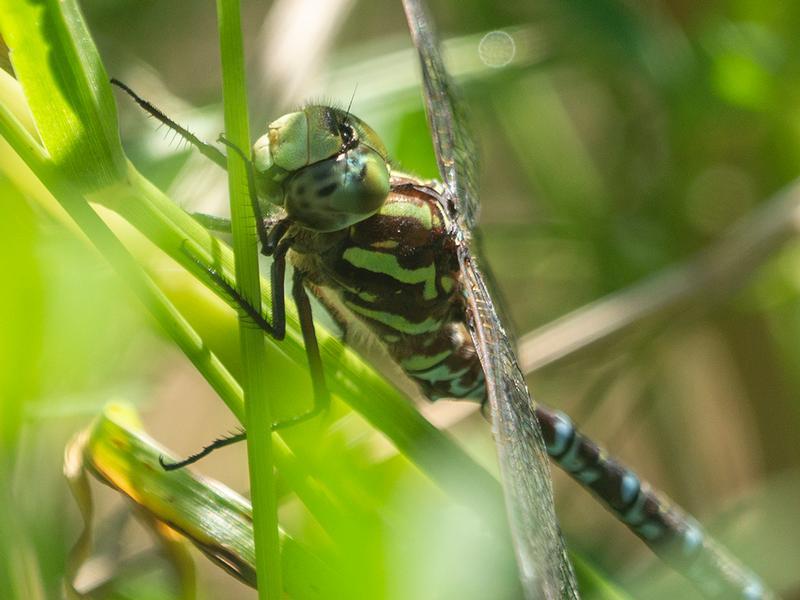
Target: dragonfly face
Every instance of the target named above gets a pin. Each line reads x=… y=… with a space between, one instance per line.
x=327 y=168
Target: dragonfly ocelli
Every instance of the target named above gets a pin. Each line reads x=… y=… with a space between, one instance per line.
x=394 y=254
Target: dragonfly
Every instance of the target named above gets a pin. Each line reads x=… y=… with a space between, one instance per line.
x=397 y=256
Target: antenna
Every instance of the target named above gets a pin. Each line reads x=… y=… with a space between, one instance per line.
x=355 y=89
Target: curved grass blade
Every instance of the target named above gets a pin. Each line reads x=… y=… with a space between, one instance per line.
x=215 y=519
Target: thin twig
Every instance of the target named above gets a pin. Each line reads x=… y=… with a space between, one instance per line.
x=713 y=274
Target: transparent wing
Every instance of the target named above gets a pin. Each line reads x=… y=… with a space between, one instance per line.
x=544 y=568
x=456 y=151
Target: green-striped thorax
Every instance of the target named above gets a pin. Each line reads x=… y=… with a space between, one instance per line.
x=327 y=168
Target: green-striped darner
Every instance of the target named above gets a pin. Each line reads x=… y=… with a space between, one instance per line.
x=452 y=208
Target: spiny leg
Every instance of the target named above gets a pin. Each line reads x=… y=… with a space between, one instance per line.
x=234 y=438
x=274 y=242
x=276 y=329
x=205 y=149
x=269 y=239
x=300 y=296
x=251 y=190
x=276 y=228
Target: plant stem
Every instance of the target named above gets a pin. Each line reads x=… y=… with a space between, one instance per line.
x=258 y=413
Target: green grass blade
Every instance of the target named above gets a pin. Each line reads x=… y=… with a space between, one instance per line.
x=255 y=360
x=70 y=99
x=22 y=342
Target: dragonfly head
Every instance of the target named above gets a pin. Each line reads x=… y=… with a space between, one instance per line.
x=327 y=168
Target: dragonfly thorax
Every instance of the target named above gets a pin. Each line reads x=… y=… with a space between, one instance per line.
x=327 y=168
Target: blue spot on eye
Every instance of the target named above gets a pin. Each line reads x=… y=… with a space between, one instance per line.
x=629 y=487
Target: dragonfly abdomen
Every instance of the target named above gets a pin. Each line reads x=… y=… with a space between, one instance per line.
x=443 y=365
x=671 y=533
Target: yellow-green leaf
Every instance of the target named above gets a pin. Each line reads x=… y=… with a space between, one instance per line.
x=67 y=88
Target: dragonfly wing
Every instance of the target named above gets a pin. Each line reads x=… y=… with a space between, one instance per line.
x=544 y=567
x=454 y=145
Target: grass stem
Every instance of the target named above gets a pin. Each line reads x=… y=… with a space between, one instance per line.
x=255 y=381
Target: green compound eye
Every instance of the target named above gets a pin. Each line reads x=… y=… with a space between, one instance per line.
x=338 y=192
x=325 y=167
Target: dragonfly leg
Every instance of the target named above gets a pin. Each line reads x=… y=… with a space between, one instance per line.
x=215 y=445
x=277 y=328
x=322 y=397
x=205 y=149
x=321 y=394
x=275 y=243
x=269 y=236
x=276 y=228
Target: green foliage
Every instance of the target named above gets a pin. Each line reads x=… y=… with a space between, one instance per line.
x=70 y=99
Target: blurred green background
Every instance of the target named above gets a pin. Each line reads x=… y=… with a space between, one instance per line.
x=619 y=139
